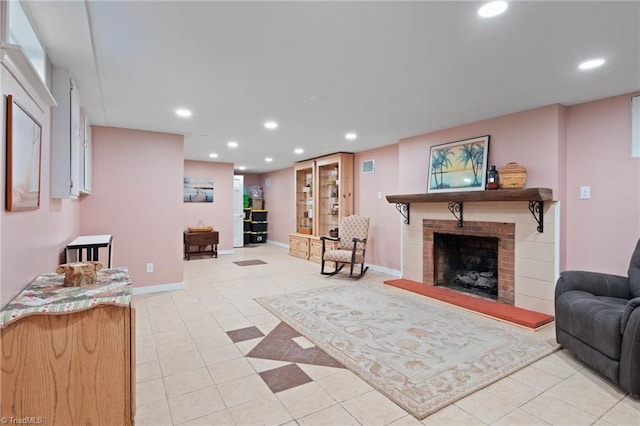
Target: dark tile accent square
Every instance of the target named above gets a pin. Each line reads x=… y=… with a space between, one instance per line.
x=286 y=377
x=243 y=334
x=278 y=346
x=250 y=262
x=321 y=358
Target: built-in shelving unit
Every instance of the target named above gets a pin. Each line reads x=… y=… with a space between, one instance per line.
x=324 y=194
x=534 y=196
x=305 y=184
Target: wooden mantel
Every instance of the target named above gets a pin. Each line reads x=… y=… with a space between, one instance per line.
x=527 y=194
x=534 y=196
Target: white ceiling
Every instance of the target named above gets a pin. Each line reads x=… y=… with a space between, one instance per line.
x=386 y=70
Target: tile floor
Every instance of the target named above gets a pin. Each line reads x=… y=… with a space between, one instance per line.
x=210 y=355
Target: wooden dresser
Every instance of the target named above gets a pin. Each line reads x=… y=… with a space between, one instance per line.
x=68 y=353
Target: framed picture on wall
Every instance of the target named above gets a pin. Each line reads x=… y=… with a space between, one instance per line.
x=198 y=190
x=24 y=142
x=458 y=166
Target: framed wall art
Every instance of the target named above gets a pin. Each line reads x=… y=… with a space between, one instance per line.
x=458 y=166
x=198 y=190
x=24 y=142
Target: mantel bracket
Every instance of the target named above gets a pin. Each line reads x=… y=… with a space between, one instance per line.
x=456 y=209
x=536 y=208
x=404 y=210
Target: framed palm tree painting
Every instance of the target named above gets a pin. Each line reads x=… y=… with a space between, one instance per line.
x=459 y=166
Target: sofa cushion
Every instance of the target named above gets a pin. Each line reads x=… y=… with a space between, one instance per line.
x=594 y=320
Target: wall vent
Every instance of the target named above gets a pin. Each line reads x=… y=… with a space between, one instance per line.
x=368 y=166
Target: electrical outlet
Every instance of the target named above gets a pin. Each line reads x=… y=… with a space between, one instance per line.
x=149 y=267
x=585 y=192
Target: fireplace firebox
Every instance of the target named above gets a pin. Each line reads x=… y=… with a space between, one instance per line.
x=466 y=263
x=503 y=234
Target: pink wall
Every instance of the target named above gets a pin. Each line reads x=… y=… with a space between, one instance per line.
x=384 y=233
x=383 y=247
x=137 y=197
x=279 y=199
x=32 y=241
x=602 y=231
x=251 y=178
x=530 y=138
x=218 y=214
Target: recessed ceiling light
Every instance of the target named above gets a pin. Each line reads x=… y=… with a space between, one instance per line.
x=242 y=168
x=213 y=155
x=350 y=136
x=271 y=125
x=183 y=112
x=298 y=151
x=495 y=8
x=268 y=159
x=232 y=144
x=593 y=63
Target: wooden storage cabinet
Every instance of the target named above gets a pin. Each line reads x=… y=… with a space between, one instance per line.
x=206 y=243
x=324 y=194
x=299 y=246
x=315 y=250
x=71 y=367
x=305 y=186
x=334 y=191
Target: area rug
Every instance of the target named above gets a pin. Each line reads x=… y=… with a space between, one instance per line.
x=420 y=353
x=250 y=262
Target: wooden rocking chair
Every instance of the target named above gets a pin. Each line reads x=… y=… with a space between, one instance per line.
x=352 y=245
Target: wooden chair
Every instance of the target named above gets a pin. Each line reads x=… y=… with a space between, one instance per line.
x=352 y=244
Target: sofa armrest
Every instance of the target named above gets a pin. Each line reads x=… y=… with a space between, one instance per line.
x=628 y=310
x=596 y=283
x=630 y=354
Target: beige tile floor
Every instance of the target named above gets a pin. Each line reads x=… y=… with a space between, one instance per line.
x=189 y=372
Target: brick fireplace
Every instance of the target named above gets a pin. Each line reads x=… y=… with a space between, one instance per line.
x=528 y=259
x=503 y=232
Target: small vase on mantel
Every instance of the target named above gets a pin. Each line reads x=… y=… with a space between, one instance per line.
x=493 y=179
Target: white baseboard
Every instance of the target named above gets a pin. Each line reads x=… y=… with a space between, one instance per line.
x=158 y=288
x=226 y=251
x=384 y=270
x=278 y=244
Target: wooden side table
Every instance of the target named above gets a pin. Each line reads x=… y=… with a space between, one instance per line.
x=202 y=240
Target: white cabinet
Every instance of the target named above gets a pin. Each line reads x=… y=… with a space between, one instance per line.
x=65 y=136
x=85 y=153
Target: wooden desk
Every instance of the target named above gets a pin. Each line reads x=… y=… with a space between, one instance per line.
x=202 y=240
x=91 y=243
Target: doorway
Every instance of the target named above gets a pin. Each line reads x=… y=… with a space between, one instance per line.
x=238 y=211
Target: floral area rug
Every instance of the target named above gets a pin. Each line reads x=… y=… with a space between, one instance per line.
x=420 y=353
